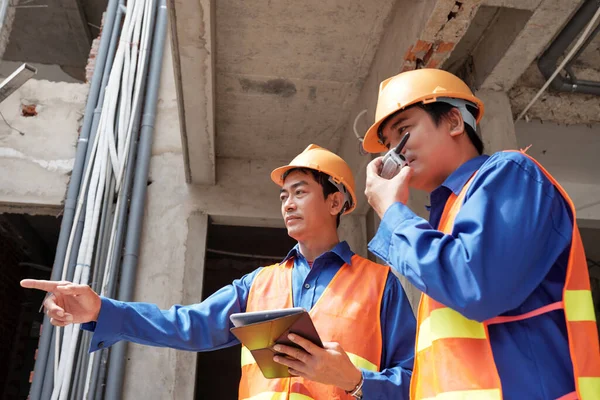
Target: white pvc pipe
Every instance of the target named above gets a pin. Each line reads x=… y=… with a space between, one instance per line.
x=123 y=96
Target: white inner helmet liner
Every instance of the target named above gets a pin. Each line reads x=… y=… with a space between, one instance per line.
x=347 y=197
x=462 y=107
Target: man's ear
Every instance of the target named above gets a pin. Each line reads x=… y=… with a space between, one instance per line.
x=456 y=122
x=336 y=203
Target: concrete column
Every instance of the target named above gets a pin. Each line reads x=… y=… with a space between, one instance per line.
x=193 y=279
x=353 y=229
x=170 y=271
x=497 y=127
x=417 y=202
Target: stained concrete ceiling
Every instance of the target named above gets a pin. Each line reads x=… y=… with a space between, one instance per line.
x=287 y=72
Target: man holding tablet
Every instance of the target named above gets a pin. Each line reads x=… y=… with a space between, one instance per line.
x=358 y=308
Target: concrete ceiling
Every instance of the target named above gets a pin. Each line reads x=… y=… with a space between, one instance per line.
x=261 y=81
x=561 y=107
x=55 y=32
x=590 y=57
x=287 y=72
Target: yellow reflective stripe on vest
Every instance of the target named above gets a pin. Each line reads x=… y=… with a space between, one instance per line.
x=446 y=323
x=482 y=394
x=363 y=363
x=247 y=357
x=589 y=388
x=279 y=396
x=360 y=362
x=579 y=305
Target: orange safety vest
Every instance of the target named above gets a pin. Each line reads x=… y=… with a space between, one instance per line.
x=453 y=355
x=348 y=312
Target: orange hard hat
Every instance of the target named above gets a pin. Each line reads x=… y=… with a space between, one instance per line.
x=418 y=86
x=322 y=160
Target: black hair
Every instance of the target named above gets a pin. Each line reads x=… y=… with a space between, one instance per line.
x=322 y=179
x=438 y=111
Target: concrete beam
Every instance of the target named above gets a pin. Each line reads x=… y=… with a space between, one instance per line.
x=192 y=46
x=192 y=285
x=547 y=19
x=519 y=4
x=497 y=128
x=497 y=38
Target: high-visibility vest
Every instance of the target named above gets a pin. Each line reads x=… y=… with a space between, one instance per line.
x=348 y=312
x=453 y=356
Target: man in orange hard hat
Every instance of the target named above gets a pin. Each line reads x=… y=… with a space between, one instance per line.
x=368 y=330
x=506 y=310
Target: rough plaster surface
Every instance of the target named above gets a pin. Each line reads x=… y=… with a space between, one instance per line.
x=565 y=108
x=561 y=108
x=36 y=164
x=288 y=72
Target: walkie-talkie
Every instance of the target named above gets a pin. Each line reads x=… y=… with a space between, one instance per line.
x=393 y=160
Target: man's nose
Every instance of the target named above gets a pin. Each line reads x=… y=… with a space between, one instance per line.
x=289 y=204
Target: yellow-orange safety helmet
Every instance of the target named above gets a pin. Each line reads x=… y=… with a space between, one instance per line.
x=323 y=160
x=418 y=86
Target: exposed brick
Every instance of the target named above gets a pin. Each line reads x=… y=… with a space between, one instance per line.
x=28 y=110
x=91 y=64
x=444 y=47
x=421 y=48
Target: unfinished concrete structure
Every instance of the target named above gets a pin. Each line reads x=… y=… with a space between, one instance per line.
x=244 y=88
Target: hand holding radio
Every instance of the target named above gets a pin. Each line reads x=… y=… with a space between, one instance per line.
x=393 y=161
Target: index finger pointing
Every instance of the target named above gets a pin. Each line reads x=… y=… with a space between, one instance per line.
x=47 y=286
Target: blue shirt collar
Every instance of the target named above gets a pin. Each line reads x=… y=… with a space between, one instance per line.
x=341 y=250
x=461 y=175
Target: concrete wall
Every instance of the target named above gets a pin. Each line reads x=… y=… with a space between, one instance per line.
x=174 y=239
x=37 y=152
x=570 y=153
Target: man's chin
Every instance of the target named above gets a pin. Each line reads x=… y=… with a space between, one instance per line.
x=294 y=232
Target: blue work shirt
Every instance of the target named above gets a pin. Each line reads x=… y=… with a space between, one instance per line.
x=205 y=326
x=507 y=255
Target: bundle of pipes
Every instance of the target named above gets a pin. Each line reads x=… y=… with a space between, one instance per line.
x=116 y=165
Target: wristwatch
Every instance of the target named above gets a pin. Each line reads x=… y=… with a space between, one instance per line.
x=357 y=391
